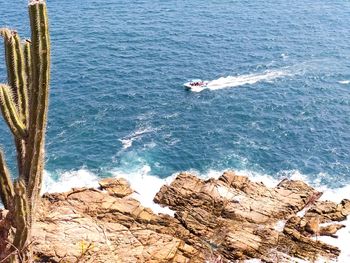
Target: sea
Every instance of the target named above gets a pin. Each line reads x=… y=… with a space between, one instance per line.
x=277 y=104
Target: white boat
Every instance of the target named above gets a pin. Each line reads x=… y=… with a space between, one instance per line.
x=196 y=83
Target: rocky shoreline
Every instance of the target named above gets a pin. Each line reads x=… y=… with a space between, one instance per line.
x=227 y=219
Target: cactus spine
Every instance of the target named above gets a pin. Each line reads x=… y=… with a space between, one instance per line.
x=24 y=106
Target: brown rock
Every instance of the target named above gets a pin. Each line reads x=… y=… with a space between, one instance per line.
x=313 y=225
x=331 y=230
x=116 y=187
x=222 y=220
x=88 y=225
x=329 y=211
x=245 y=213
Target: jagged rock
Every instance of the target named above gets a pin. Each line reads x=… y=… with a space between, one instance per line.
x=238 y=217
x=89 y=225
x=313 y=225
x=116 y=187
x=330 y=230
x=216 y=220
x=329 y=211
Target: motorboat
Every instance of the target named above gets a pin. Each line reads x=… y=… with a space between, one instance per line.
x=196 y=83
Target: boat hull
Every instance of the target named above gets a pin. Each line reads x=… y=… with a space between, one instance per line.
x=196 y=84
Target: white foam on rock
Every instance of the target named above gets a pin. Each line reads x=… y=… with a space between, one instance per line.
x=343 y=240
x=68 y=180
x=146 y=187
x=279 y=226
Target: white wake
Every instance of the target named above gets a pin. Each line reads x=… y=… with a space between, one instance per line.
x=240 y=80
x=128 y=140
x=344 y=81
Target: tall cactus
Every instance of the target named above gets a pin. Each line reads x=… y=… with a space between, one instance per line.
x=24 y=106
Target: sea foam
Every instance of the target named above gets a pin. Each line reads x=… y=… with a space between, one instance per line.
x=128 y=140
x=68 y=180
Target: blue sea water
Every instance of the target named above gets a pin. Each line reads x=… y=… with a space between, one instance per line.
x=118 y=101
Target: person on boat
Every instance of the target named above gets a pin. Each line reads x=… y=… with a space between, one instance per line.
x=197 y=83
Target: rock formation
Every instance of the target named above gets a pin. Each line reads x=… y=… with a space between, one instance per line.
x=239 y=218
x=216 y=220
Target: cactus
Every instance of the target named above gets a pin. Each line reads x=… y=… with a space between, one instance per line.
x=21 y=221
x=24 y=106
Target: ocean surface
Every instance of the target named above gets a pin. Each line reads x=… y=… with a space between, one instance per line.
x=280 y=106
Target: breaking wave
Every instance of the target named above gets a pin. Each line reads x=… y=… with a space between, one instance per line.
x=67 y=180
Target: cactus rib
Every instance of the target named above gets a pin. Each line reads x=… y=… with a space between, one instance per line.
x=28 y=69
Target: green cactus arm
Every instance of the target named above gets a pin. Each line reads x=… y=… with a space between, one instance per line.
x=21 y=144
x=22 y=92
x=39 y=95
x=10 y=113
x=16 y=70
x=20 y=216
x=12 y=59
x=6 y=186
x=9 y=54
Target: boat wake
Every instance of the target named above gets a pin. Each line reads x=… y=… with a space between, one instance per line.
x=240 y=80
x=344 y=81
x=128 y=140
